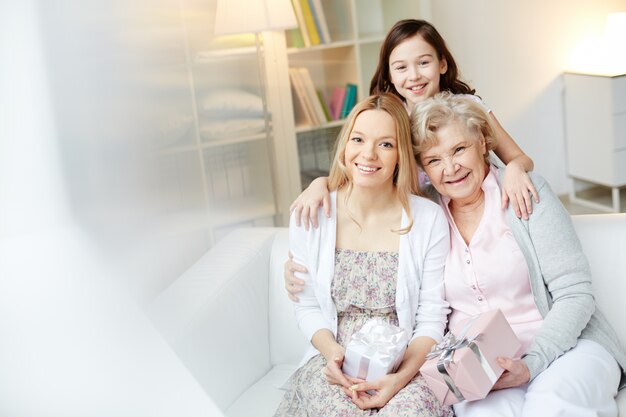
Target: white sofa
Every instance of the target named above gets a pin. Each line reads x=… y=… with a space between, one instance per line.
x=73 y=343
x=229 y=320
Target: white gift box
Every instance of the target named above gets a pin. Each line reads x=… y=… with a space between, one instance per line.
x=375 y=350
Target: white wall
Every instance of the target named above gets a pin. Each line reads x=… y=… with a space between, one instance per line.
x=513 y=53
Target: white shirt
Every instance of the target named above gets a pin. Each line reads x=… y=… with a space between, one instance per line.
x=420 y=303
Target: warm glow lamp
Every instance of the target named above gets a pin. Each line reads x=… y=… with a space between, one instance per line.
x=234 y=17
x=603 y=55
x=615 y=32
x=253 y=16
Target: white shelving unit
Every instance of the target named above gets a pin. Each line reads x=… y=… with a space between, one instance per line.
x=210 y=180
x=357 y=29
x=595 y=118
x=189 y=188
x=226 y=168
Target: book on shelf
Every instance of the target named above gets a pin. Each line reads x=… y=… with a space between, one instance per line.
x=300 y=113
x=336 y=102
x=320 y=20
x=297 y=8
x=350 y=100
x=324 y=106
x=304 y=113
x=294 y=38
x=311 y=93
x=309 y=22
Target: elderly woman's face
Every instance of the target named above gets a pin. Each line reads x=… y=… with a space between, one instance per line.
x=456 y=165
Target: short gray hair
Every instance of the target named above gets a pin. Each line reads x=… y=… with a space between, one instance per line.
x=441 y=110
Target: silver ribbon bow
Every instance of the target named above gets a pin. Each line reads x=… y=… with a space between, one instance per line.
x=445 y=351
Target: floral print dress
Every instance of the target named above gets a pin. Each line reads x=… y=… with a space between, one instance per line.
x=363 y=287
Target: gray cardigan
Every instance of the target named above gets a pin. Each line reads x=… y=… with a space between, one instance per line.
x=560 y=280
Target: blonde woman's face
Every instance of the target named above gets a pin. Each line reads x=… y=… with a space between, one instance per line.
x=371 y=153
x=456 y=164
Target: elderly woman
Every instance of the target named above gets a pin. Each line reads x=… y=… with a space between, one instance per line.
x=534 y=270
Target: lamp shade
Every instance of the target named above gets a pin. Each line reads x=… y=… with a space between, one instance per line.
x=248 y=16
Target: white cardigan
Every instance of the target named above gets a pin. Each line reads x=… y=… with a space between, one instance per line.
x=420 y=303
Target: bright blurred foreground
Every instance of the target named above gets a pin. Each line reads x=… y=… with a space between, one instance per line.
x=79 y=229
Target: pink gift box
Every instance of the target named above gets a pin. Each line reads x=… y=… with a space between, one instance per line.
x=463 y=366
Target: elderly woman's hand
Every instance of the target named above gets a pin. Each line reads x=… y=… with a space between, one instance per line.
x=308 y=202
x=517 y=189
x=293 y=285
x=516 y=373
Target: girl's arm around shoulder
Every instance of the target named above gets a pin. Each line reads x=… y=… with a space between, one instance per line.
x=307 y=203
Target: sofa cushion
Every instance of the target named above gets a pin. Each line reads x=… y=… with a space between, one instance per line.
x=216 y=315
x=75 y=344
x=621 y=402
x=262 y=399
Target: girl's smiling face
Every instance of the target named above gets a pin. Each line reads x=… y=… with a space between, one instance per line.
x=415 y=69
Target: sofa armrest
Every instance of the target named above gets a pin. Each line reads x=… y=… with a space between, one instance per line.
x=603 y=238
x=215 y=315
x=75 y=344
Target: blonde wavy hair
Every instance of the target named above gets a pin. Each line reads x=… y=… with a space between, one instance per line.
x=405 y=176
x=441 y=110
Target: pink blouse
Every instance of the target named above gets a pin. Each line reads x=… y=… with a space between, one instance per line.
x=491 y=271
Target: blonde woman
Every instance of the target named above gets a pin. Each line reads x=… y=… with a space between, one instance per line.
x=380 y=254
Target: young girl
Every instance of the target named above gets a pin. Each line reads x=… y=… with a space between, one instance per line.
x=380 y=254
x=415 y=64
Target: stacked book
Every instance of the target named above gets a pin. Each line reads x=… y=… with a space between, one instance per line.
x=312 y=26
x=342 y=100
x=311 y=107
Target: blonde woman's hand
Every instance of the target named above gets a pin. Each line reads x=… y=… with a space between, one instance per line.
x=385 y=388
x=332 y=371
x=293 y=285
x=308 y=202
x=518 y=190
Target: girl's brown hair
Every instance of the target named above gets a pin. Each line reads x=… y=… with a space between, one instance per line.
x=403 y=30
